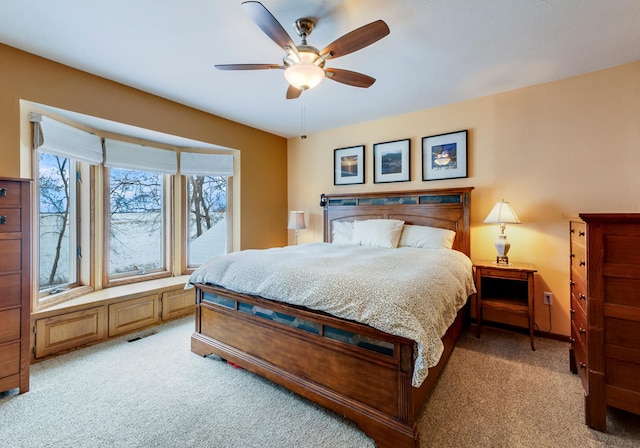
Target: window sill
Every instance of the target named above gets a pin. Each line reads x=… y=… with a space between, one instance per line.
x=112 y=294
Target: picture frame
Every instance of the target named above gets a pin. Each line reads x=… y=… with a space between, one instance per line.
x=348 y=165
x=391 y=161
x=444 y=156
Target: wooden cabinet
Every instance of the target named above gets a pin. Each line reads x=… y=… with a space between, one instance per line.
x=605 y=312
x=505 y=287
x=15 y=278
x=112 y=313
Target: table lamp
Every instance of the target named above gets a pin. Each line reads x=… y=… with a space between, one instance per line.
x=296 y=222
x=502 y=214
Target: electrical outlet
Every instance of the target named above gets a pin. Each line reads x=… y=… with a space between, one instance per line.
x=547 y=298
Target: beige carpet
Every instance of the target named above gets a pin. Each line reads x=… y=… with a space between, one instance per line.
x=154 y=392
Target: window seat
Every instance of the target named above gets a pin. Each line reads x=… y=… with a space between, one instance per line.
x=100 y=315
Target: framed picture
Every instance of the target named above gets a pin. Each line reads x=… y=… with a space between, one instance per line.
x=391 y=161
x=444 y=156
x=348 y=165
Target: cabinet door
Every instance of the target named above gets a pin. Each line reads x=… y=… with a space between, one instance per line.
x=134 y=314
x=178 y=303
x=67 y=331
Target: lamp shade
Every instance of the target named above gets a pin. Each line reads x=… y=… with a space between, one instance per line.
x=296 y=220
x=502 y=213
x=305 y=74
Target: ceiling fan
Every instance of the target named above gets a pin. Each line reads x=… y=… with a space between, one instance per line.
x=303 y=65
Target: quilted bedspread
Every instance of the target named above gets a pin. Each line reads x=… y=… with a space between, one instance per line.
x=409 y=292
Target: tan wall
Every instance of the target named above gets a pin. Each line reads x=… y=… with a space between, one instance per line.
x=554 y=149
x=263 y=156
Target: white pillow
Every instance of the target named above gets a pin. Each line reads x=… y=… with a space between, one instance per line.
x=377 y=232
x=342 y=232
x=426 y=237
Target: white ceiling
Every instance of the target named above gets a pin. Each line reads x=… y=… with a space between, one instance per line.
x=438 y=52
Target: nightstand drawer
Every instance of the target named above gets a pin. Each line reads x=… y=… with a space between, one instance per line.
x=504 y=273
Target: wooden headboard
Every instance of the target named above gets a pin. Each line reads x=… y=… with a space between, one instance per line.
x=446 y=208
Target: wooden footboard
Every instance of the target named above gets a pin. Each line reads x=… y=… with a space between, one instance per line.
x=350 y=368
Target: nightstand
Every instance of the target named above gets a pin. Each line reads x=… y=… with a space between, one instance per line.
x=505 y=287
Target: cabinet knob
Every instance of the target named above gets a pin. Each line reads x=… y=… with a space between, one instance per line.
x=572 y=255
x=582 y=330
x=3 y=191
x=582 y=263
x=581 y=233
x=572 y=311
x=572 y=283
x=572 y=340
x=3 y=219
x=583 y=365
x=582 y=296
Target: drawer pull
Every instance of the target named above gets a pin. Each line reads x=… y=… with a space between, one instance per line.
x=572 y=283
x=583 y=365
x=582 y=296
x=582 y=263
x=581 y=233
x=572 y=340
x=572 y=311
x=573 y=255
x=3 y=191
x=3 y=219
x=582 y=330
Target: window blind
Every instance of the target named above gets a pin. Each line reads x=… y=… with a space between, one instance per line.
x=199 y=164
x=54 y=137
x=132 y=156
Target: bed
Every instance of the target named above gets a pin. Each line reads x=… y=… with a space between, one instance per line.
x=355 y=369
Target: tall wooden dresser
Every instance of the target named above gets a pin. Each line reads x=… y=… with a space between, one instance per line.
x=15 y=279
x=605 y=312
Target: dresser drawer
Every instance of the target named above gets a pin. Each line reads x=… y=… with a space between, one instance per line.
x=10 y=290
x=579 y=291
x=9 y=325
x=9 y=359
x=581 y=362
x=579 y=324
x=9 y=220
x=10 y=259
x=9 y=193
x=578 y=231
x=579 y=260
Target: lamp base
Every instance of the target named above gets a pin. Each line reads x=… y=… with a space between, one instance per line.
x=504 y=260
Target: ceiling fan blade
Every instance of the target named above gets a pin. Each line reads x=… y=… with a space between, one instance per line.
x=268 y=24
x=293 y=93
x=247 y=66
x=356 y=39
x=348 y=77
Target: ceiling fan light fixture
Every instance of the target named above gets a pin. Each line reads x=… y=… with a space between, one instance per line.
x=306 y=73
x=304 y=76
